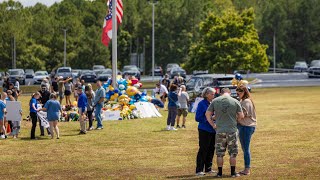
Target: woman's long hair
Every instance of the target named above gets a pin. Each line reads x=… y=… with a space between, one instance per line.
x=246 y=93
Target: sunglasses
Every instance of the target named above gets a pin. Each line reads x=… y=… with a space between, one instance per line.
x=239 y=90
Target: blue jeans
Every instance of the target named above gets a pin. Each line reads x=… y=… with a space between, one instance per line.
x=98 y=115
x=245 y=133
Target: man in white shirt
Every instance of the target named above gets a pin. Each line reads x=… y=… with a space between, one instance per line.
x=162 y=91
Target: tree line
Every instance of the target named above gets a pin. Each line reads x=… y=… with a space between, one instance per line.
x=222 y=35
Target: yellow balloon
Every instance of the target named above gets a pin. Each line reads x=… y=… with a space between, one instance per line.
x=132 y=107
x=113 y=97
x=131 y=91
x=123 y=96
x=110 y=88
x=75 y=103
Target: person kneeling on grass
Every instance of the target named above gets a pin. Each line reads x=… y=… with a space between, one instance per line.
x=53 y=108
x=82 y=108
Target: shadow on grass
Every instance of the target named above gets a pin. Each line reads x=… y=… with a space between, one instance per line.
x=162 y=130
x=29 y=139
x=190 y=177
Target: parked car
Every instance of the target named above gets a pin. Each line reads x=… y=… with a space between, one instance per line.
x=88 y=76
x=170 y=66
x=157 y=71
x=39 y=76
x=98 y=71
x=314 y=69
x=98 y=67
x=301 y=66
x=17 y=74
x=29 y=73
x=105 y=75
x=65 y=72
x=131 y=70
x=177 y=71
x=76 y=73
x=217 y=81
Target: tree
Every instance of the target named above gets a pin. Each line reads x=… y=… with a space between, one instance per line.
x=228 y=43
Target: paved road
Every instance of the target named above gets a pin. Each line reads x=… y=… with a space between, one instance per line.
x=265 y=80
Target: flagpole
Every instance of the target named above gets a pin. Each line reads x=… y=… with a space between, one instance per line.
x=114 y=43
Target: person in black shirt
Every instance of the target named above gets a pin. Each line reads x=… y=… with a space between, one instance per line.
x=165 y=81
x=45 y=96
x=54 y=85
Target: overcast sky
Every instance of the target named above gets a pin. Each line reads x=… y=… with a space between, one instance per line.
x=33 y=2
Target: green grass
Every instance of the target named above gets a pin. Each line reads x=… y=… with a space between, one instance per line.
x=284 y=146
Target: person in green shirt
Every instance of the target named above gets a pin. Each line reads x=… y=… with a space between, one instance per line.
x=226 y=111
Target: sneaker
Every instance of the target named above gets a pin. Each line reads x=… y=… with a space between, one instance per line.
x=218 y=176
x=82 y=132
x=211 y=172
x=235 y=175
x=99 y=128
x=200 y=174
x=3 y=136
x=172 y=128
x=90 y=128
x=168 y=128
x=178 y=126
x=183 y=126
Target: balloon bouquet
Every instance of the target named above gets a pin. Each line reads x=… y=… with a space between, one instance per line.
x=124 y=96
x=239 y=81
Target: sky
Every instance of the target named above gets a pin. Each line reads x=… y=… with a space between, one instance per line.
x=33 y=2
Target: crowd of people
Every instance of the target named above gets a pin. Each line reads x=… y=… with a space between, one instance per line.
x=49 y=99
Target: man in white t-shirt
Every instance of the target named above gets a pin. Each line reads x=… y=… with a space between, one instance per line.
x=162 y=91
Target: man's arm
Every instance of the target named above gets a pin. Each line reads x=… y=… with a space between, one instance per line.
x=210 y=121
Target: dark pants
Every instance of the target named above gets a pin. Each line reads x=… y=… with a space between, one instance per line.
x=89 y=114
x=172 y=113
x=34 y=121
x=206 y=151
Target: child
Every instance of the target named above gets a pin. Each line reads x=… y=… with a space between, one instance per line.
x=15 y=122
x=2 y=113
x=82 y=107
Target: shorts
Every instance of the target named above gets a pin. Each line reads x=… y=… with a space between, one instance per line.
x=224 y=140
x=67 y=92
x=61 y=95
x=183 y=112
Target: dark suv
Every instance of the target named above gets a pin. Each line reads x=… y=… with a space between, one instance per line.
x=217 y=81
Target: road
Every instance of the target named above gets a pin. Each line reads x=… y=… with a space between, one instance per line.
x=265 y=80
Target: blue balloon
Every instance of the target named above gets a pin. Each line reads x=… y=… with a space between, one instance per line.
x=107 y=96
x=116 y=91
x=143 y=99
x=238 y=76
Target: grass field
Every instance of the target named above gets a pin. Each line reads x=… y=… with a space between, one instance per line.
x=284 y=146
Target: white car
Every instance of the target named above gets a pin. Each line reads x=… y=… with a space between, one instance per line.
x=39 y=76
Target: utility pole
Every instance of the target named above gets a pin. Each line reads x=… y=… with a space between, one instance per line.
x=153 y=3
x=274 y=52
x=14 y=53
x=65 y=48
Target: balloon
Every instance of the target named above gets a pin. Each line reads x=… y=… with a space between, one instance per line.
x=129 y=83
x=113 y=97
x=131 y=91
x=238 y=76
x=132 y=106
x=137 y=96
x=116 y=91
x=136 y=85
x=108 y=96
x=143 y=99
x=116 y=95
x=111 y=88
x=75 y=103
x=122 y=87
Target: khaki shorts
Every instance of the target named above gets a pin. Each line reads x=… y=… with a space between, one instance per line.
x=224 y=140
x=183 y=111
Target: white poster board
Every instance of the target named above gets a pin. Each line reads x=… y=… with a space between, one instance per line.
x=43 y=118
x=14 y=110
x=111 y=115
x=195 y=105
x=147 y=109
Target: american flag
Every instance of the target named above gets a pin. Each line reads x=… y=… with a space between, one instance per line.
x=119 y=11
x=107 y=25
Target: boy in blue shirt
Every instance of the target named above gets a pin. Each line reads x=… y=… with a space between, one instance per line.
x=2 y=113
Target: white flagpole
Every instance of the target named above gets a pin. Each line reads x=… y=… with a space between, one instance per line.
x=114 y=43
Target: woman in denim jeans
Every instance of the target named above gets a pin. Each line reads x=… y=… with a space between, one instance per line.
x=246 y=126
